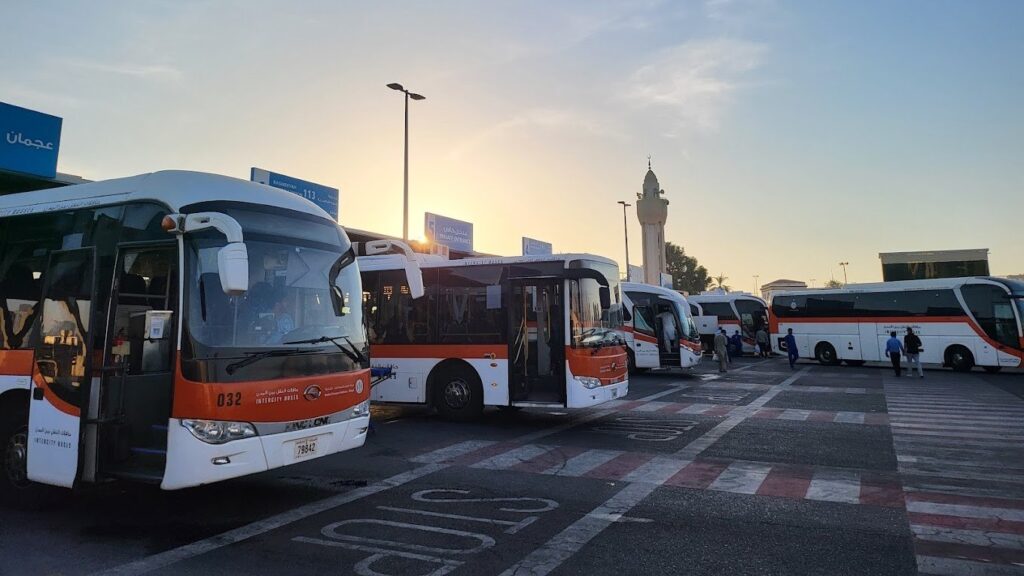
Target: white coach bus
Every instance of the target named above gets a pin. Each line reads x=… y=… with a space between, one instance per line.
x=506 y=332
x=733 y=311
x=962 y=322
x=177 y=328
x=653 y=315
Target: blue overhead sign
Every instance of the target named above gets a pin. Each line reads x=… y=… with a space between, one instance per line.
x=455 y=234
x=30 y=141
x=533 y=247
x=323 y=196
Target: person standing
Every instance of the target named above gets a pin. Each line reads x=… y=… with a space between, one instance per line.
x=894 y=349
x=791 y=350
x=912 y=345
x=736 y=343
x=722 y=350
x=763 y=342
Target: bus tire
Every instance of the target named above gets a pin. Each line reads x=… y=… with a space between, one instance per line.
x=457 y=392
x=826 y=354
x=16 y=490
x=992 y=369
x=959 y=359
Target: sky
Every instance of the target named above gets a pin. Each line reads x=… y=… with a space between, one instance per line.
x=788 y=136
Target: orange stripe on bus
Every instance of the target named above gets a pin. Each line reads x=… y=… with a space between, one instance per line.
x=16 y=362
x=608 y=364
x=52 y=397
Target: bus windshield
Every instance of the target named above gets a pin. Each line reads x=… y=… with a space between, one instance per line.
x=591 y=324
x=290 y=302
x=688 y=330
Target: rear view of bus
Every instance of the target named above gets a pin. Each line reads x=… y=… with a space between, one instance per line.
x=177 y=328
x=540 y=331
x=659 y=328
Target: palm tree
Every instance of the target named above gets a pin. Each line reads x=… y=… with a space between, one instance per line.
x=718 y=282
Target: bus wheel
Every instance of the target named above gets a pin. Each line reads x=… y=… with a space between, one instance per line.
x=992 y=369
x=15 y=488
x=959 y=359
x=826 y=354
x=458 y=394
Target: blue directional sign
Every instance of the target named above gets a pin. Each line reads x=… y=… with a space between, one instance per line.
x=532 y=247
x=323 y=196
x=29 y=141
x=455 y=234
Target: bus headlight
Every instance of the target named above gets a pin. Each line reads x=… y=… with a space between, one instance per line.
x=218 y=431
x=361 y=409
x=589 y=382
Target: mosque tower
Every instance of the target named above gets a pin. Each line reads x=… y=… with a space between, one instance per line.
x=652 y=211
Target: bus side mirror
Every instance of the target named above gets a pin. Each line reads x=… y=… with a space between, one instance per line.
x=233 y=267
x=414 y=278
x=606 y=297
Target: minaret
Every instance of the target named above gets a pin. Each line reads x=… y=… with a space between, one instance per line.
x=652 y=211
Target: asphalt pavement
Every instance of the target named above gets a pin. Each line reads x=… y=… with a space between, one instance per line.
x=762 y=470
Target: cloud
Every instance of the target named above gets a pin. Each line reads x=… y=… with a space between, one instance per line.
x=144 y=71
x=541 y=118
x=695 y=81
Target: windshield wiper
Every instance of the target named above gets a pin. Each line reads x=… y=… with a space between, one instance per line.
x=257 y=356
x=351 y=351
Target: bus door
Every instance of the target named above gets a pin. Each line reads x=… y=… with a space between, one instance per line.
x=537 y=342
x=137 y=376
x=645 y=337
x=60 y=375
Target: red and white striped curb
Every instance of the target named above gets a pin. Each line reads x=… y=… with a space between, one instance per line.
x=734 y=476
x=697 y=408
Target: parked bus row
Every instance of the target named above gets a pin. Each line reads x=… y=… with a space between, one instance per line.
x=182 y=328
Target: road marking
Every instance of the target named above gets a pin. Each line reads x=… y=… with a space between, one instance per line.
x=563 y=545
x=583 y=463
x=512 y=457
x=451 y=452
x=173 y=556
x=663 y=393
x=835 y=486
x=693 y=449
x=741 y=478
x=963 y=510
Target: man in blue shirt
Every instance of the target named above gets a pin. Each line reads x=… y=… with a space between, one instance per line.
x=791 y=350
x=894 y=349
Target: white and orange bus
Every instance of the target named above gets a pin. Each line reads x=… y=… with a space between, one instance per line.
x=733 y=311
x=659 y=328
x=962 y=322
x=176 y=327
x=540 y=331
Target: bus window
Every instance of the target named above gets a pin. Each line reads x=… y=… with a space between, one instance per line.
x=993 y=310
x=753 y=316
x=146 y=281
x=400 y=318
x=470 y=308
x=19 y=296
x=61 y=348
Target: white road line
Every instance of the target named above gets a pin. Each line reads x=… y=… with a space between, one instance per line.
x=965 y=511
x=173 y=556
x=973 y=537
x=657 y=470
x=450 y=452
x=580 y=464
x=968 y=435
x=794 y=414
x=956 y=567
x=650 y=407
x=963 y=427
x=563 y=545
x=512 y=457
x=695 y=409
x=691 y=450
x=849 y=418
x=741 y=478
x=663 y=393
x=835 y=486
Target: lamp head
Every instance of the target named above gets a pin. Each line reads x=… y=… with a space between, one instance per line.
x=415 y=96
x=396 y=86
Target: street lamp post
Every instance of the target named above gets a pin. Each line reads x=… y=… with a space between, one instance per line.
x=625 y=230
x=405 y=190
x=756 y=276
x=844 y=265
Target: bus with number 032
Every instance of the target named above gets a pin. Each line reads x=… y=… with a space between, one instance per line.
x=537 y=331
x=178 y=328
x=733 y=311
x=962 y=322
x=659 y=328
